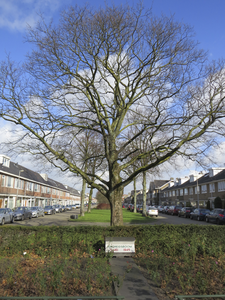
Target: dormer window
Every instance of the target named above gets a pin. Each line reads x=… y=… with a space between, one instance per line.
x=5 y=160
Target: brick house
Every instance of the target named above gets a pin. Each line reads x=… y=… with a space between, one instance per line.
x=23 y=187
x=196 y=189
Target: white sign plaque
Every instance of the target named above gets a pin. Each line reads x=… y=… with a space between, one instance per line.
x=120 y=245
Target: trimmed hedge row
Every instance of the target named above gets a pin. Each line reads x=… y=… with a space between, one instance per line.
x=52 y=241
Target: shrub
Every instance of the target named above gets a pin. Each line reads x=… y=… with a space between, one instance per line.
x=103 y=206
x=218 y=202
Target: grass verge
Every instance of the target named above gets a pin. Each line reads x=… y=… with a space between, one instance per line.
x=103 y=216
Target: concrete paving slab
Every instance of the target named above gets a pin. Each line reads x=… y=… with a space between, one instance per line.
x=131 y=285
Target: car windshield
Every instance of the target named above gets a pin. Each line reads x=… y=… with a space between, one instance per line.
x=2 y=210
x=204 y=210
x=20 y=209
x=48 y=207
x=33 y=208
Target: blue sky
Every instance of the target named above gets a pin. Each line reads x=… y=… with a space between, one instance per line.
x=206 y=17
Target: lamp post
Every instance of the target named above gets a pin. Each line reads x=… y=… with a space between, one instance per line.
x=200 y=173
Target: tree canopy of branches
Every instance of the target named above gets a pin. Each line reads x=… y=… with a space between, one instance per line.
x=98 y=69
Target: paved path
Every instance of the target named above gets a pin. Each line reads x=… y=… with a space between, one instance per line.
x=132 y=285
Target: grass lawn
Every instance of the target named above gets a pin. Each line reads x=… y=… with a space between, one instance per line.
x=103 y=216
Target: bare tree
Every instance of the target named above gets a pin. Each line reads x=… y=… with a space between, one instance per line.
x=93 y=70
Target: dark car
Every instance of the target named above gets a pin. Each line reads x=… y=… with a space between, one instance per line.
x=165 y=209
x=199 y=214
x=129 y=206
x=216 y=216
x=22 y=212
x=185 y=212
x=173 y=210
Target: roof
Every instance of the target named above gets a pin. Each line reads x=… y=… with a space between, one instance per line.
x=17 y=170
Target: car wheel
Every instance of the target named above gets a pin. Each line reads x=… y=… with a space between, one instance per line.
x=185 y=216
x=30 y=217
x=191 y=217
x=3 y=221
x=12 y=221
x=22 y=218
x=217 y=221
x=207 y=220
x=198 y=218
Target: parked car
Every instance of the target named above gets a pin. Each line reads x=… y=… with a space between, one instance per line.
x=6 y=216
x=173 y=210
x=217 y=216
x=164 y=210
x=37 y=211
x=57 y=208
x=78 y=205
x=185 y=212
x=199 y=214
x=68 y=207
x=160 y=208
x=49 y=210
x=64 y=208
x=132 y=207
x=22 y=212
x=124 y=205
x=129 y=206
x=152 y=211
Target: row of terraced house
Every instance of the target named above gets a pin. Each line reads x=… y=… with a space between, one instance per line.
x=191 y=190
x=23 y=187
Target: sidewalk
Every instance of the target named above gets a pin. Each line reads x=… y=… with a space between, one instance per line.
x=132 y=284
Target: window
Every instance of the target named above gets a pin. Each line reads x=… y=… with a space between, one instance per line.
x=29 y=186
x=196 y=190
x=181 y=192
x=204 y=188
x=221 y=186
x=169 y=193
x=185 y=191
x=177 y=192
x=173 y=193
x=36 y=187
x=9 y=181
x=3 y=180
x=43 y=189
x=5 y=162
x=18 y=183
x=48 y=190
x=191 y=191
x=212 y=187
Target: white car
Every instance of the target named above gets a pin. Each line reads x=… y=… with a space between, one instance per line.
x=152 y=211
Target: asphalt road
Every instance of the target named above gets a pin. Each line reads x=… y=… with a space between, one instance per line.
x=62 y=219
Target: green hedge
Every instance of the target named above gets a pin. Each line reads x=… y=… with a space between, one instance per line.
x=52 y=241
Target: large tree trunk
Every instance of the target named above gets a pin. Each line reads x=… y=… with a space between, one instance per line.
x=135 y=196
x=90 y=200
x=144 y=194
x=115 y=199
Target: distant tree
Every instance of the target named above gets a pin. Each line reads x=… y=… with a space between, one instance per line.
x=218 y=202
x=101 y=198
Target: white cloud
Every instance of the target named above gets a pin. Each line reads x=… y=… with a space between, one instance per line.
x=16 y=15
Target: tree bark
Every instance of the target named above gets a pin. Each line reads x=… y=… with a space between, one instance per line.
x=135 y=196
x=90 y=200
x=115 y=199
x=144 y=194
x=82 y=198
